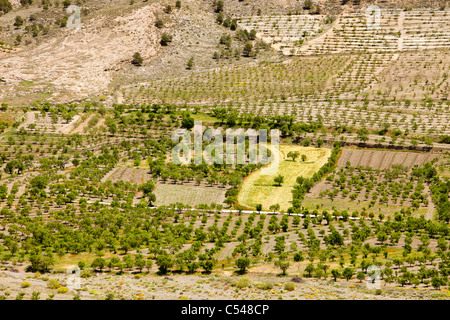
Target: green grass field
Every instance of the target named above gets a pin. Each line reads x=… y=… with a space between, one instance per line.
x=261 y=189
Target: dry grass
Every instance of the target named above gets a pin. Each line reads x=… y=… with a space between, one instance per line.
x=188 y=194
x=258 y=188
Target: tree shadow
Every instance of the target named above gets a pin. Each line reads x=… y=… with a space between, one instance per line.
x=240 y=272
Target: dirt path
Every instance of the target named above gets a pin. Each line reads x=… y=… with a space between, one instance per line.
x=72 y=125
x=29 y=119
x=109 y=174
x=431 y=209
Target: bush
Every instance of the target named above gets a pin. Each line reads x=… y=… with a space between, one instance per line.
x=165 y=39
x=137 y=59
x=81 y=264
x=289 y=286
x=110 y=296
x=86 y=273
x=307 y=5
x=66 y=3
x=225 y=40
x=5 y=6
x=248 y=49
x=62 y=22
x=62 y=289
x=219 y=18
x=168 y=9
x=40 y=263
x=219 y=6
x=265 y=285
x=53 y=284
x=190 y=63
x=18 y=21
x=444 y=139
x=36 y=295
x=243 y=283
x=20 y=296
x=298 y=257
x=159 y=23
x=25 y=284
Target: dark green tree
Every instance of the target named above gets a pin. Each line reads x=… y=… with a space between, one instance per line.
x=242 y=263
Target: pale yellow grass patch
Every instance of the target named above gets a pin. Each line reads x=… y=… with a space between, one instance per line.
x=258 y=188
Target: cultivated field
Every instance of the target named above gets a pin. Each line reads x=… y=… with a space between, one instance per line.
x=261 y=189
x=381 y=159
x=191 y=195
x=126 y=174
x=375 y=182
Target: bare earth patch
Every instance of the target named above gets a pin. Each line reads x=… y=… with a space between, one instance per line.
x=188 y=194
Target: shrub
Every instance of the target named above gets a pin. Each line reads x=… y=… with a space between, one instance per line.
x=86 y=274
x=190 y=63
x=265 y=285
x=248 y=49
x=243 y=283
x=53 y=284
x=225 y=40
x=168 y=9
x=18 y=21
x=444 y=139
x=81 y=264
x=233 y=24
x=5 y=6
x=219 y=18
x=159 y=23
x=307 y=5
x=219 y=6
x=62 y=289
x=20 y=296
x=25 y=284
x=137 y=59
x=289 y=286
x=110 y=296
x=165 y=39
x=298 y=257
x=62 y=22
